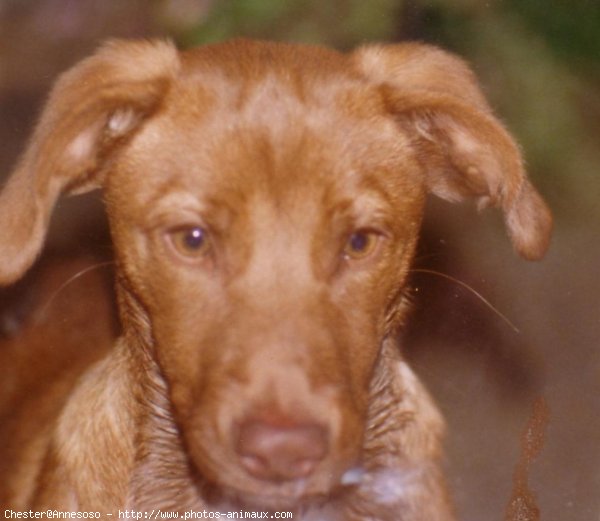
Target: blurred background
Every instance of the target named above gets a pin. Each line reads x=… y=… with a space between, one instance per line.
x=539 y=62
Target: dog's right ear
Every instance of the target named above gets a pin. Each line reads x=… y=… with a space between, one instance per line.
x=93 y=108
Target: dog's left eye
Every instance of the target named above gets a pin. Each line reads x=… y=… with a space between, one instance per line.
x=190 y=241
x=361 y=244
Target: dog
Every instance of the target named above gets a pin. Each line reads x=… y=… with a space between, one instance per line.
x=264 y=201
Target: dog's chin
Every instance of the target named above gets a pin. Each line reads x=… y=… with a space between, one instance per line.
x=293 y=496
x=274 y=501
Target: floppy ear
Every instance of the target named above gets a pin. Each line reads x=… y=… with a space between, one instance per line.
x=465 y=150
x=92 y=109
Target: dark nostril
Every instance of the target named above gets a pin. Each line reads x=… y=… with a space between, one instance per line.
x=280 y=453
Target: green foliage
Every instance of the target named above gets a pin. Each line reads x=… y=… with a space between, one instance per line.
x=570 y=27
x=342 y=23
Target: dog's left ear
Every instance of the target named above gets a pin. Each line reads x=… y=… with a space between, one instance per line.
x=465 y=150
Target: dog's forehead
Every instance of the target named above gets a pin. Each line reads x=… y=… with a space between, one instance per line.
x=292 y=124
x=274 y=86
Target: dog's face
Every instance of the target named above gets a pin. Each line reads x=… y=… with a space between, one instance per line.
x=265 y=203
x=268 y=237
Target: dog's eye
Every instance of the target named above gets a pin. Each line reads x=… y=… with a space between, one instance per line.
x=190 y=241
x=361 y=244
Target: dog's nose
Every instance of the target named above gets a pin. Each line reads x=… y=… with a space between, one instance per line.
x=281 y=453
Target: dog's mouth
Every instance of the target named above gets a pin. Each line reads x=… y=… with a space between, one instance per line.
x=389 y=489
x=297 y=496
x=329 y=482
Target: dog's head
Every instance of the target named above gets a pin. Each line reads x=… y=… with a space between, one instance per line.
x=265 y=201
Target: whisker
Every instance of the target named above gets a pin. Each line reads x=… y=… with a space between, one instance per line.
x=473 y=291
x=77 y=275
x=427 y=256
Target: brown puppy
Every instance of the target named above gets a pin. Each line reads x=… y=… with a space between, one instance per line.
x=264 y=201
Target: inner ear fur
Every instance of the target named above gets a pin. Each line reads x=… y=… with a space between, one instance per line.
x=92 y=109
x=465 y=151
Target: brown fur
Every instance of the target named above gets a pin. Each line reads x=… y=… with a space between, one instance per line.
x=280 y=153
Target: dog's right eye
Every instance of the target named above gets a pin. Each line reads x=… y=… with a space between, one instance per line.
x=191 y=242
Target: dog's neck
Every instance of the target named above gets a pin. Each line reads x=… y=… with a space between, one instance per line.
x=162 y=476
